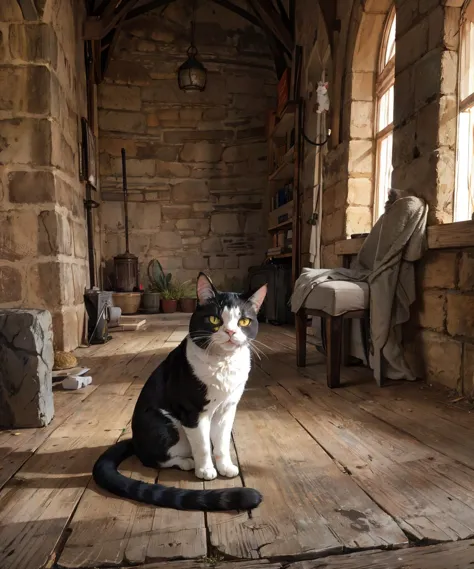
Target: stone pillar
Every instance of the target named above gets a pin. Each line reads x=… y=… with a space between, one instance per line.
x=26 y=363
x=43 y=239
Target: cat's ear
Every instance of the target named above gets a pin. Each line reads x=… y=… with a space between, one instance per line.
x=205 y=289
x=257 y=298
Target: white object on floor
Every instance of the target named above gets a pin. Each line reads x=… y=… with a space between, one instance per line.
x=114 y=316
x=77 y=381
x=63 y=373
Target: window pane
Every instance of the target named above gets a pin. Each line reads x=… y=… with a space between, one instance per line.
x=467 y=60
x=390 y=49
x=384 y=172
x=386 y=109
x=463 y=206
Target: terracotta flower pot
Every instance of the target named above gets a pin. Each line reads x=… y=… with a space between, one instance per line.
x=187 y=304
x=169 y=306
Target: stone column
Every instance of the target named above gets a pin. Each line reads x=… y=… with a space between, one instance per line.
x=43 y=240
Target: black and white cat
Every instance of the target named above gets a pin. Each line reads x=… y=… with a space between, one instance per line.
x=189 y=402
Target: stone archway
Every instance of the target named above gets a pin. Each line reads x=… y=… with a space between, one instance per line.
x=363 y=50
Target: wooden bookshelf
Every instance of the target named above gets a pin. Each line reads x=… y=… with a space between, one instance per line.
x=273 y=216
x=281 y=152
x=281 y=225
x=285 y=171
x=285 y=122
x=281 y=256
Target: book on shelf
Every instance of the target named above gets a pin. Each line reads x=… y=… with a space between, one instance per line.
x=282 y=196
x=274 y=251
x=283 y=91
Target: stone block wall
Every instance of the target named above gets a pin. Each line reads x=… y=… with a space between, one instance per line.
x=43 y=243
x=425 y=108
x=439 y=339
x=196 y=162
x=440 y=336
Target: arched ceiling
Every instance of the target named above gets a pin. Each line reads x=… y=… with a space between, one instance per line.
x=106 y=17
x=275 y=17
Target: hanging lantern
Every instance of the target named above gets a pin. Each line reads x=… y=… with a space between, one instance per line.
x=192 y=75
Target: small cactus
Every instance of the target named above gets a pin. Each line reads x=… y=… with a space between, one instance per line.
x=159 y=280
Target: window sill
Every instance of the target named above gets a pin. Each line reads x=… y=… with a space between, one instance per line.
x=448 y=236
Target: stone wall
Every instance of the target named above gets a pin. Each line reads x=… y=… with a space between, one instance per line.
x=343 y=163
x=424 y=155
x=196 y=163
x=424 y=158
x=440 y=336
x=43 y=240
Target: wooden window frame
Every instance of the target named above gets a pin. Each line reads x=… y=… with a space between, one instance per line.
x=465 y=107
x=384 y=82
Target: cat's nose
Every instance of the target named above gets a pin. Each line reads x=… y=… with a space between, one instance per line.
x=230 y=332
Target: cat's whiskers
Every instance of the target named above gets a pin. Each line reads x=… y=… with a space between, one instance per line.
x=256 y=350
x=264 y=345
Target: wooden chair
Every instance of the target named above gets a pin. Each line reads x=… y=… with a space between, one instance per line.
x=334 y=301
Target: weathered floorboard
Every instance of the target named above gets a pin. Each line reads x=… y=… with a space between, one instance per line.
x=396 y=470
x=458 y=555
x=322 y=459
x=131 y=532
x=18 y=445
x=35 y=506
x=308 y=502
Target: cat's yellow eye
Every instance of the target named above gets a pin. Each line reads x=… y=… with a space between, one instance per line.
x=244 y=322
x=214 y=320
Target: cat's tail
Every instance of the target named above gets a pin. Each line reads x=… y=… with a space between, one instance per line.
x=107 y=476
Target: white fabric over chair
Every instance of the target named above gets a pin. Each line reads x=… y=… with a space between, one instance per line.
x=338 y=297
x=386 y=262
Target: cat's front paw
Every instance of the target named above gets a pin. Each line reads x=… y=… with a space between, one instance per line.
x=227 y=469
x=206 y=473
x=186 y=464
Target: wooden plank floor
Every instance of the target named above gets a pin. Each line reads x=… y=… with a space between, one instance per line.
x=354 y=469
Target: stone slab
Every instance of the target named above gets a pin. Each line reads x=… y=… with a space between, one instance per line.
x=26 y=364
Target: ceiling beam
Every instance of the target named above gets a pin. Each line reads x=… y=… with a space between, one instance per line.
x=240 y=11
x=28 y=9
x=114 y=13
x=147 y=8
x=99 y=11
x=329 y=11
x=284 y=15
x=268 y=14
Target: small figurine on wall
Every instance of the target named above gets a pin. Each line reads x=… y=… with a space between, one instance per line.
x=322 y=97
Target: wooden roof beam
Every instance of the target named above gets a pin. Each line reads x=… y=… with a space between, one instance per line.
x=240 y=11
x=28 y=9
x=114 y=13
x=329 y=11
x=147 y=8
x=270 y=17
x=285 y=16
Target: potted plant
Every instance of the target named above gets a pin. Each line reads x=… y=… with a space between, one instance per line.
x=170 y=297
x=158 y=283
x=188 y=300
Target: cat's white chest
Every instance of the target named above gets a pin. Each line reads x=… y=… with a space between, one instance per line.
x=220 y=374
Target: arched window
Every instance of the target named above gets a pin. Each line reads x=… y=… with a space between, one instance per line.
x=464 y=194
x=385 y=87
